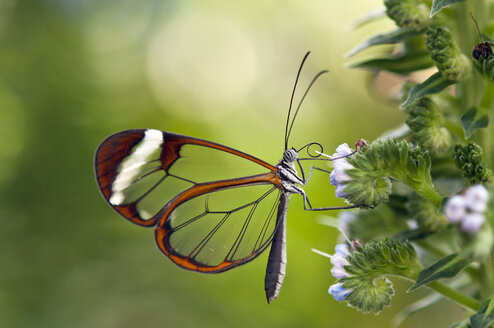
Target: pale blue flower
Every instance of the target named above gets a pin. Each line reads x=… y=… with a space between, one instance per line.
x=338 y=176
x=339 y=191
x=342 y=249
x=339 y=293
x=339 y=261
x=342 y=150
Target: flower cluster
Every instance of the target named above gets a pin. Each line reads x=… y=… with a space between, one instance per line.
x=365 y=177
x=445 y=52
x=339 y=177
x=339 y=261
x=361 y=273
x=470 y=159
x=468 y=209
x=426 y=125
x=403 y=178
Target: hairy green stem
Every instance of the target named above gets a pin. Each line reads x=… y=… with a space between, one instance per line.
x=470 y=95
x=486 y=134
x=487 y=277
x=455 y=128
x=454 y=295
x=429 y=193
x=445 y=290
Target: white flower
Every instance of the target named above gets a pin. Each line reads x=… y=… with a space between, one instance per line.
x=455 y=209
x=468 y=209
x=339 y=261
x=476 y=198
x=338 y=176
x=339 y=272
x=339 y=168
x=472 y=222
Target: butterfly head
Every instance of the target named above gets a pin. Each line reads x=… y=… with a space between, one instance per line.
x=290 y=155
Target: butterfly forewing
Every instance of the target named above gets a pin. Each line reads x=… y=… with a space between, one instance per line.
x=204 y=164
x=214 y=207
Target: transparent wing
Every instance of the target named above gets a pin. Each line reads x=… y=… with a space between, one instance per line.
x=217 y=231
x=140 y=172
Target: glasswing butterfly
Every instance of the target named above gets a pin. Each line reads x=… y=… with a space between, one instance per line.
x=206 y=217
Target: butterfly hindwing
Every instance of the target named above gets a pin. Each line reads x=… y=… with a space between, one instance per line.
x=216 y=231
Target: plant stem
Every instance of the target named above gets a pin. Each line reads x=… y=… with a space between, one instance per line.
x=454 y=128
x=486 y=134
x=428 y=192
x=487 y=278
x=454 y=295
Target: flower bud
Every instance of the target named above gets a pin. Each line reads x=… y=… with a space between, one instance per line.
x=483 y=59
x=445 y=52
x=412 y=14
x=470 y=159
x=339 y=293
x=426 y=124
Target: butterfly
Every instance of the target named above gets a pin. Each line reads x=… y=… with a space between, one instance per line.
x=207 y=217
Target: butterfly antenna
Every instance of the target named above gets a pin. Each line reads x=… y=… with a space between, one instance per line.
x=302 y=100
x=291 y=100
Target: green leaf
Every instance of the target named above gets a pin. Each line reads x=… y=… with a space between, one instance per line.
x=414 y=235
x=447 y=267
x=367 y=18
x=403 y=64
x=434 y=84
x=485 y=317
x=438 y=5
x=396 y=36
x=470 y=124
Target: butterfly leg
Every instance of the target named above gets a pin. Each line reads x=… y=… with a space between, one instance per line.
x=308 y=206
x=306 y=180
x=310 y=173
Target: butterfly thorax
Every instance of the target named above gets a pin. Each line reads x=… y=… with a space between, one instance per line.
x=288 y=173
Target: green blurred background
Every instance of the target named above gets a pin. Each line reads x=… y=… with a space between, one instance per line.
x=75 y=71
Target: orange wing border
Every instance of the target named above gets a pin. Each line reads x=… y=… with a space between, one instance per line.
x=114 y=149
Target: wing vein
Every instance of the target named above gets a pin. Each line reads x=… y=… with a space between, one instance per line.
x=208 y=237
x=262 y=235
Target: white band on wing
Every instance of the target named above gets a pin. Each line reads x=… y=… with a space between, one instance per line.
x=153 y=139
